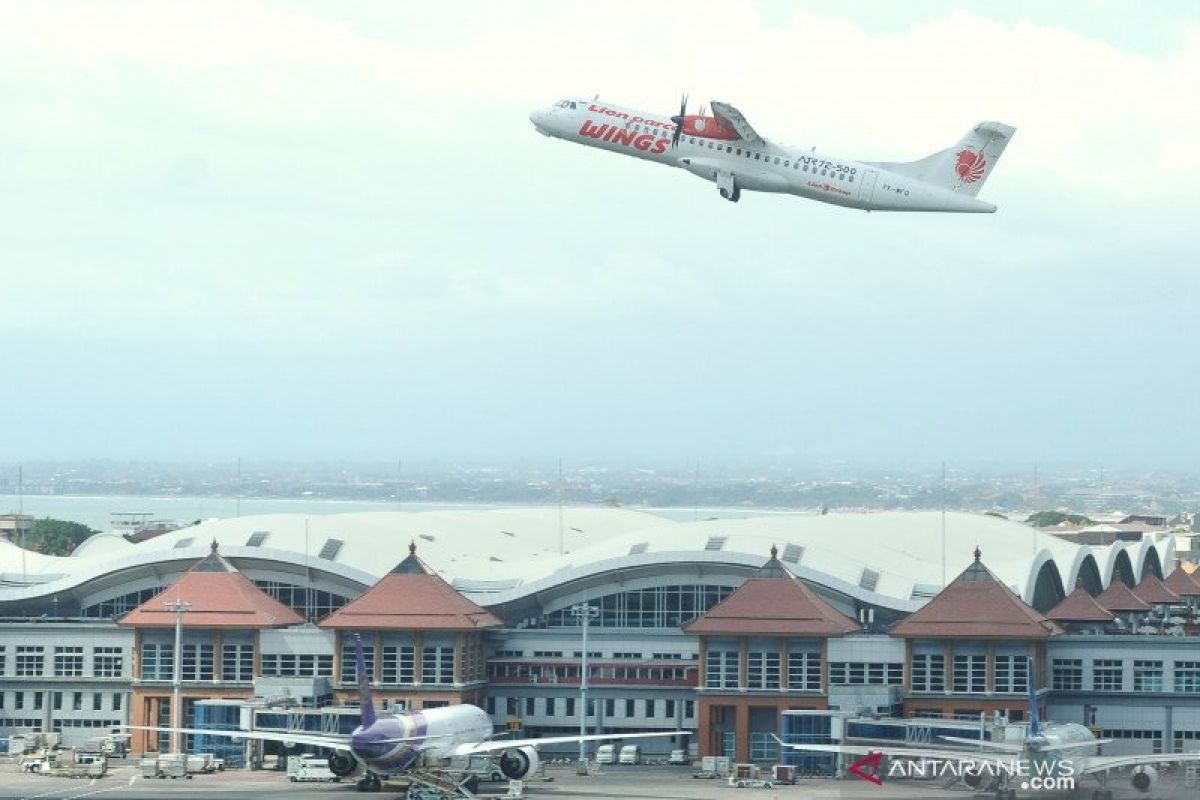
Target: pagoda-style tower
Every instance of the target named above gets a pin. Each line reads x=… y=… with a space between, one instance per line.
x=762 y=652
x=423 y=641
x=968 y=648
x=223 y=614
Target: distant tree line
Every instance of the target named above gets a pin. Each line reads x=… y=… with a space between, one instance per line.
x=55 y=537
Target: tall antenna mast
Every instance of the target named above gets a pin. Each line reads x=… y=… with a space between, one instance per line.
x=21 y=520
x=560 y=508
x=943 y=493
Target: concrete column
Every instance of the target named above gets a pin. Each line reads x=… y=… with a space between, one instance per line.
x=784 y=651
x=742 y=734
x=948 y=654
x=703 y=657
x=989 y=666
x=743 y=662
x=906 y=685
x=418 y=658
x=825 y=668
x=459 y=644
x=218 y=656
x=337 y=658
x=135 y=657
x=377 y=662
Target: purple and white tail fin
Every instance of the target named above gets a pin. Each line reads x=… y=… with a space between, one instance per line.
x=964 y=167
x=365 y=700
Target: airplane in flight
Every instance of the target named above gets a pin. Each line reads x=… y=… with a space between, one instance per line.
x=415 y=744
x=723 y=148
x=1050 y=752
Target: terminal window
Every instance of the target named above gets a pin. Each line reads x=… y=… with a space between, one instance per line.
x=399 y=664
x=31 y=661
x=1011 y=673
x=1066 y=674
x=1107 y=675
x=928 y=672
x=1187 y=676
x=970 y=674
x=348 y=662
x=1147 y=676
x=107 y=662
x=68 y=662
x=237 y=662
x=804 y=671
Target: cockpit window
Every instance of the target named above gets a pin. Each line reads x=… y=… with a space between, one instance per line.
x=564 y=104
x=572 y=105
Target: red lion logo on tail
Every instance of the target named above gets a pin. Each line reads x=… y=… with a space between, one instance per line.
x=970 y=166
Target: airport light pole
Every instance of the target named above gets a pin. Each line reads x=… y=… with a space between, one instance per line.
x=178 y=607
x=585 y=613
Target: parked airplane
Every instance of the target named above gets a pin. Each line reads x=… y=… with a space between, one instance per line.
x=415 y=744
x=1051 y=751
x=723 y=148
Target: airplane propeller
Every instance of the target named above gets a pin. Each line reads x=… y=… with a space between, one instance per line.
x=678 y=120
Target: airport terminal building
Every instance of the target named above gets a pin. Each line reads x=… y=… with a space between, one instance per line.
x=716 y=627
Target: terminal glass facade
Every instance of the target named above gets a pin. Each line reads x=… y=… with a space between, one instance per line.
x=654 y=607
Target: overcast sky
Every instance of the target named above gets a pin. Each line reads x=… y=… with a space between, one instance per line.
x=298 y=230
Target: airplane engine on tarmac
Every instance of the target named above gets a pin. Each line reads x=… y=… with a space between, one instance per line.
x=342 y=763
x=519 y=763
x=1144 y=778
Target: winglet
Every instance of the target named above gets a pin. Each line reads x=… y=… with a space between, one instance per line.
x=365 y=701
x=1034 y=725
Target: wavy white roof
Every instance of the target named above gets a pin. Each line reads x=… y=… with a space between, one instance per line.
x=894 y=559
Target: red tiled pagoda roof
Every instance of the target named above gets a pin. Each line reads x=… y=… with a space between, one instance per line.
x=1152 y=590
x=1079 y=606
x=773 y=602
x=976 y=605
x=1117 y=597
x=1183 y=583
x=219 y=597
x=411 y=597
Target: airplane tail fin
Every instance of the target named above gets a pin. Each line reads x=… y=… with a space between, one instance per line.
x=1034 y=724
x=964 y=167
x=366 y=701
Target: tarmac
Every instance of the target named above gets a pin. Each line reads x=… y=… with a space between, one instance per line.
x=124 y=780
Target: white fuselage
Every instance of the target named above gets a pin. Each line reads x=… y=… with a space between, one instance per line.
x=764 y=166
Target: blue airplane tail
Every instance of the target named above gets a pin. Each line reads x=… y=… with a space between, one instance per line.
x=366 y=701
x=1034 y=724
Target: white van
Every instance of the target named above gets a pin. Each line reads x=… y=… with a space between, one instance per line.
x=631 y=754
x=606 y=754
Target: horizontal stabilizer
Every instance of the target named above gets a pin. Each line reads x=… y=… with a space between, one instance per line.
x=963 y=168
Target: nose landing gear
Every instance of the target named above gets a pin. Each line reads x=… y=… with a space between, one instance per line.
x=727 y=186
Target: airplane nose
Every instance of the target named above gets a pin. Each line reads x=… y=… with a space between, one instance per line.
x=537 y=116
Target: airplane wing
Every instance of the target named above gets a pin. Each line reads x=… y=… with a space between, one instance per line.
x=470 y=748
x=959 y=756
x=1093 y=764
x=331 y=740
x=735 y=118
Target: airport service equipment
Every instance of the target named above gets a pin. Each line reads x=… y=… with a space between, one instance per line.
x=747 y=776
x=309 y=768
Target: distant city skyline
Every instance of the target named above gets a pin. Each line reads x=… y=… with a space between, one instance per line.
x=306 y=231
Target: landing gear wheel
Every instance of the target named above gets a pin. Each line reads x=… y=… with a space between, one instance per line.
x=737 y=194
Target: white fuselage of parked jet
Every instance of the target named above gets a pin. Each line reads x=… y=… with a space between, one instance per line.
x=723 y=148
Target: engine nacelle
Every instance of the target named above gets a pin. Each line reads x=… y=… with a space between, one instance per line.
x=1144 y=778
x=518 y=763
x=342 y=763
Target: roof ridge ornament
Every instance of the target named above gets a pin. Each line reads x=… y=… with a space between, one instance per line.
x=214 y=545
x=977 y=554
x=774 y=551
x=412 y=547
